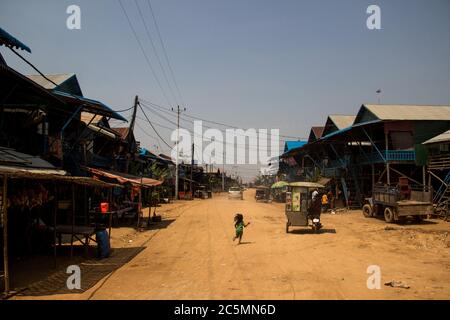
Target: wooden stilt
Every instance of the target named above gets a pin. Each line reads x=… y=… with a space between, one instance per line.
x=5 y=234
x=424 y=179
x=73 y=221
x=55 y=211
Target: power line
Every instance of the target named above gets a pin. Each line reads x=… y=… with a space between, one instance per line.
x=243 y=146
x=143 y=52
x=165 y=51
x=124 y=110
x=211 y=121
x=142 y=109
x=149 y=135
x=246 y=147
x=149 y=36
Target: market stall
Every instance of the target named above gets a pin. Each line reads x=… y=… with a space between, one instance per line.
x=127 y=203
x=33 y=208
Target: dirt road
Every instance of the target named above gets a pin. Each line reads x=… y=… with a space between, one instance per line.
x=194 y=257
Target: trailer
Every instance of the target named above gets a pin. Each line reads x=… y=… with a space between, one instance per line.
x=396 y=204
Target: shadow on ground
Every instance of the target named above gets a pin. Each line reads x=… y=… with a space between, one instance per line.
x=408 y=221
x=54 y=280
x=159 y=225
x=310 y=231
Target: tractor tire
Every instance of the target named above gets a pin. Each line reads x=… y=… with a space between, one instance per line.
x=367 y=211
x=389 y=215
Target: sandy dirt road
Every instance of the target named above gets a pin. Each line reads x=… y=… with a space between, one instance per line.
x=194 y=257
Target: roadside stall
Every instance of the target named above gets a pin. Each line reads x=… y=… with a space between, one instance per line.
x=298 y=202
x=126 y=203
x=40 y=206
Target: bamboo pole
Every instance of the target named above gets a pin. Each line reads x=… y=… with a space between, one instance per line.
x=5 y=234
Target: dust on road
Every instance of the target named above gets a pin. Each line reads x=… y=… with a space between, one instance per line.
x=194 y=257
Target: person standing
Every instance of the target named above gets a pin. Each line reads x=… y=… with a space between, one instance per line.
x=325 y=203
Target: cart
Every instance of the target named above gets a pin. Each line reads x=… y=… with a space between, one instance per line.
x=396 y=204
x=298 y=200
x=262 y=194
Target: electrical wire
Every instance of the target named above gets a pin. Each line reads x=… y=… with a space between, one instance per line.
x=142 y=109
x=149 y=36
x=143 y=52
x=165 y=52
x=210 y=121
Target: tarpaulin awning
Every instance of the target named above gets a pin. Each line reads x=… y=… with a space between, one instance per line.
x=125 y=178
x=51 y=175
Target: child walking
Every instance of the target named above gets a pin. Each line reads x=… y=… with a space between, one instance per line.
x=239 y=225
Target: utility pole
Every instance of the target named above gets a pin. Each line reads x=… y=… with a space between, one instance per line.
x=192 y=168
x=178 y=140
x=223 y=176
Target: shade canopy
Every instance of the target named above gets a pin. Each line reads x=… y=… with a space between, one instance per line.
x=306 y=184
x=279 y=184
x=125 y=178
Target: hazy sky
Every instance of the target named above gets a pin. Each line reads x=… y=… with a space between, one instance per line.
x=262 y=64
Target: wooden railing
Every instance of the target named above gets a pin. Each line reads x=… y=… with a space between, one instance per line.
x=439 y=162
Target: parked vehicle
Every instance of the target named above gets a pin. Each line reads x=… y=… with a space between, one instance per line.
x=397 y=205
x=300 y=208
x=201 y=192
x=235 y=193
x=262 y=194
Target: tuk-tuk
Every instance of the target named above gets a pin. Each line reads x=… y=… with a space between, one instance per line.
x=298 y=203
x=262 y=194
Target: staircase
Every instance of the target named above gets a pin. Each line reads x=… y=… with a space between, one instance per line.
x=443 y=193
x=351 y=190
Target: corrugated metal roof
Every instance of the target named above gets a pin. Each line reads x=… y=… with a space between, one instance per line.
x=443 y=137
x=126 y=178
x=90 y=104
x=56 y=78
x=12 y=157
x=86 y=117
x=122 y=132
x=342 y=121
x=8 y=40
x=317 y=131
x=409 y=112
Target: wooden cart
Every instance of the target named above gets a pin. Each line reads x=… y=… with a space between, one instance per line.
x=298 y=200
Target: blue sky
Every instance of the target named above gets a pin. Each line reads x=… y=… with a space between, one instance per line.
x=262 y=64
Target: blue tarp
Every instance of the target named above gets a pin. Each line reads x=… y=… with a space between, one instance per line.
x=8 y=40
x=290 y=145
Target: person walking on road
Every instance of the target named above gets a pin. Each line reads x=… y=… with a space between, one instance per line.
x=325 y=203
x=239 y=225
